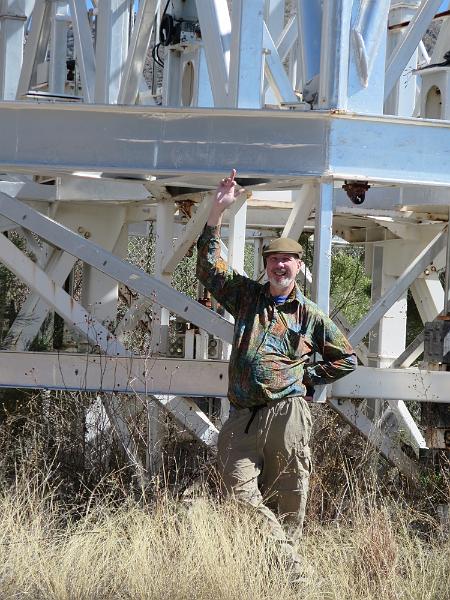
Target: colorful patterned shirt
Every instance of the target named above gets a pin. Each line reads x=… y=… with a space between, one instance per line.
x=272 y=344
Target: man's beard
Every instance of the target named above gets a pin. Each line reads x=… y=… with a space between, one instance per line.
x=283 y=283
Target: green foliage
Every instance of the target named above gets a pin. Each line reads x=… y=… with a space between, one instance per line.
x=12 y=291
x=184 y=279
x=414 y=324
x=350 y=286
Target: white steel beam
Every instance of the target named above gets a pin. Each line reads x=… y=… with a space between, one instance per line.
x=405 y=360
x=304 y=199
x=80 y=319
x=412 y=430
x=80 y=189
x=168 y=376
x=274 y=15
x=368 y=31
x=428 y=295
x=155 y=378
x=137 y=141
x=275 y=11
x=276 y=146
x=246 y=80
x=114 y=412
x=409 y=385
x=111 y=47
x=58 y=48
x=403 y=97
x=163 y=247
x=361 y=350
x=84 y=48
x=34 y=311
x=215 y=26
x=421 y=261
x=109 y=264
x=189 y=415
x=410 y=354
x=29 y=190
x=288 y=37
x=391 y=161
x=139 y=42
x=234 y=256
x=6 y=225
x=406 y=47
x=100 y=292
x=429 y=298
x=309 y=21
x=368 y=58
x=72 y=312
x=424 y=53
x=13 y=20
x=237 y=217
x=387 y=338
x=136 y=312
x=385 y=445
x=193 y=229
x=323 y=234
x=334 y=54
x=36 y=45
x=275 y=72
x=77 y=318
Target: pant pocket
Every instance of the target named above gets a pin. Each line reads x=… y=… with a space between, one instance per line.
x=304 y=459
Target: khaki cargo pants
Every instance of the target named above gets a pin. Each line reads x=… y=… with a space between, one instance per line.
x=269 y=466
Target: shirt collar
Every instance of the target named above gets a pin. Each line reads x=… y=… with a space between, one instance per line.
x=295 y=294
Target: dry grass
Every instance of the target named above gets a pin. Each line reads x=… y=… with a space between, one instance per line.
x=206 y=550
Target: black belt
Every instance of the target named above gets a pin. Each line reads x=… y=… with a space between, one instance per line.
x=255 y=409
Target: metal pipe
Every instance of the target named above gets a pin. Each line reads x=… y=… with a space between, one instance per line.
x=447 y=270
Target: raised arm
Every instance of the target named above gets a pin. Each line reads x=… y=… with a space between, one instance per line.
x=226 y=285
x=224 y=196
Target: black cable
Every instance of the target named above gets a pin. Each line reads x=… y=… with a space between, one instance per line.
x=165 y=10
x=155 y=55
x=161 y=61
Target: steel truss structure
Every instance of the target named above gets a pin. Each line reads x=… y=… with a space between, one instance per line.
x=112 y=119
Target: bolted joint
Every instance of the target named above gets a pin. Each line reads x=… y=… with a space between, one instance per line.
x=356 y=190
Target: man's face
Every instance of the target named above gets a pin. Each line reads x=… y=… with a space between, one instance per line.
x=282 y=269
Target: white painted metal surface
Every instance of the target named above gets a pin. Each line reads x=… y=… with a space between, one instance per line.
x=261 y=55
x=111 y=265
x=162 y=376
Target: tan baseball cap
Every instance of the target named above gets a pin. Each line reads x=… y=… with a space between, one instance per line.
x=283 y=245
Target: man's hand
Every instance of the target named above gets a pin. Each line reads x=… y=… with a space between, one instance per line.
x=224 y=196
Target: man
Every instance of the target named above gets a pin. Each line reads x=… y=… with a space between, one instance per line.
x=263 y=448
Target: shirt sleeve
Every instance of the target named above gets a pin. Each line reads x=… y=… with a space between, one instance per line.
x=338 y=357
x=226 y=285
